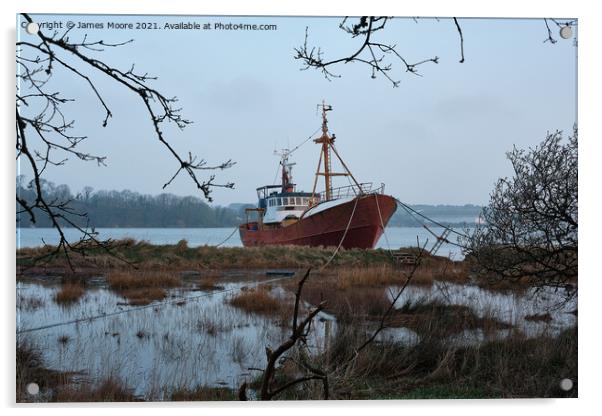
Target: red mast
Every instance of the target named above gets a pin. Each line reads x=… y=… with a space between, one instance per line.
x=327 y=142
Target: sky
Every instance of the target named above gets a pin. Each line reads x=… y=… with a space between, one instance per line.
x=438 y=138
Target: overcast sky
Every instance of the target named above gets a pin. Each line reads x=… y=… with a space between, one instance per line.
x=437 y=139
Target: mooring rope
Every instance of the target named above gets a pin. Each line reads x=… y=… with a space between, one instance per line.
x=230 y=236
x=382 y=224
x=344 y=235
x=412 y=211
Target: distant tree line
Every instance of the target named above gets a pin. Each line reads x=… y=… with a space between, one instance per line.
x=128 y=209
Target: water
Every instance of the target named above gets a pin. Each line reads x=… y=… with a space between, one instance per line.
x=508 y=307
x=156 y=349
x=396 y=237
x=168 y=345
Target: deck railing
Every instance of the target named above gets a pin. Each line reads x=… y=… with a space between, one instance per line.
x=351 y=191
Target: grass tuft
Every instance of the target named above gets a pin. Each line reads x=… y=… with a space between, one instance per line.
x=142 y=287
x=69 y=293
x=110 y=390
x=257 y=300
x=124 y=280
x=203 y=394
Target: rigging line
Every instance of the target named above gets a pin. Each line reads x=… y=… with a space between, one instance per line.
x=344 y=235
x=407 y=207
x=138 y=308
x=227 y=238
x=276 y=175
x=291 y=151
x=410 y=212
x=382 y=224
x=305 y=141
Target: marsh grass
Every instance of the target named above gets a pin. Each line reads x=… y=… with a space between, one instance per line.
x=30 y=302
x=213 y=326
x=348 y=304
x=142 y=287
x=124 y=280
x=368 y=298
x=512 y=367
x=69 y=294
x=367 y=276
x=208 y=284
x=442 y=320
x=143 y=296
x=434 y=367
x=356 y=292
x=109 y=390
x=57 y=386
x=182 y=257
x=203 y=394
x=30 y=368
x=258 y=300
x=539 y=317
x=353 y=267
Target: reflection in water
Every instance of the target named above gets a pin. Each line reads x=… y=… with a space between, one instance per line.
x=206 y=341
x=510 y=307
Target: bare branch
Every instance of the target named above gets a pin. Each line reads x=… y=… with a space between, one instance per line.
x=366 y=26
x=299 y=332
x=461 y=40
x=40 y=111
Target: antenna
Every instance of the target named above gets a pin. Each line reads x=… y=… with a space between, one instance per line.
x=287 y=167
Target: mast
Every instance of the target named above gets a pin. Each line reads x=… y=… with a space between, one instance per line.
x=327 y=143
x=325 y=140
x=287 y=169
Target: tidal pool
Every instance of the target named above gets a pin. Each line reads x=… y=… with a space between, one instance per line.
x=196 y=338
x=189 y=339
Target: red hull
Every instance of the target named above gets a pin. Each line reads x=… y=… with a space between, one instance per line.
x=327 y=228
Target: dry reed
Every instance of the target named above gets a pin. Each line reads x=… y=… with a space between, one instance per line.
x=203 y=394
x=258 y=300
x=69 y=293
x=124 y=280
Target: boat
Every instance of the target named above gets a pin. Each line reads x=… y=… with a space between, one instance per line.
x=352 y=216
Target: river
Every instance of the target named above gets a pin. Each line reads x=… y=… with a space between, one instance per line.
x=394 y=238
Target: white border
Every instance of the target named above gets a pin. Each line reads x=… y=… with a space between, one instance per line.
x=589 y=126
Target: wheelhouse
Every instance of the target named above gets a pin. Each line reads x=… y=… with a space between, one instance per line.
x=281 y=205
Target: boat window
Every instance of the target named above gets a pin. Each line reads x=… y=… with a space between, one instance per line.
x=279 y=201
x=298 y=200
